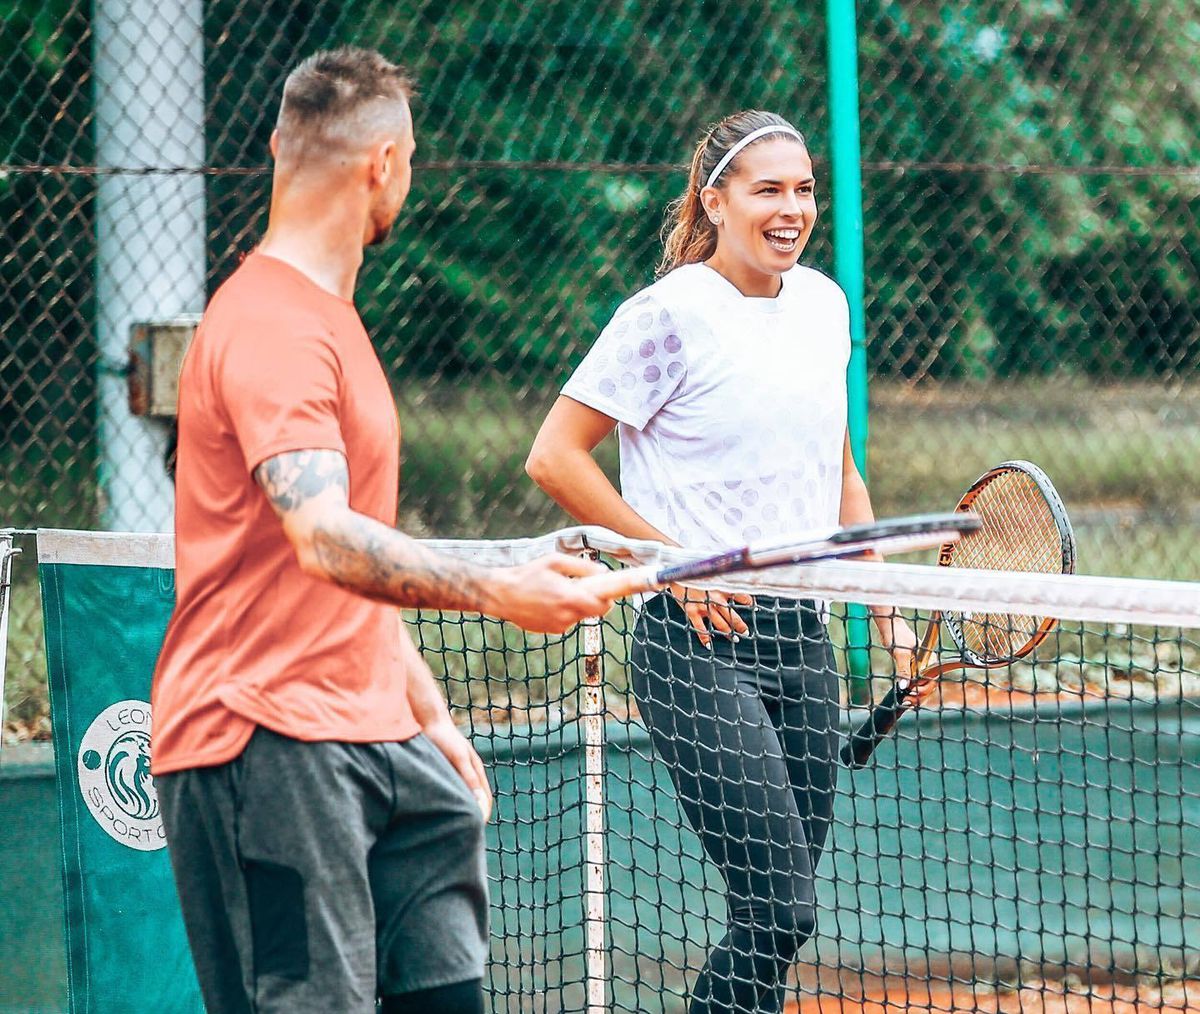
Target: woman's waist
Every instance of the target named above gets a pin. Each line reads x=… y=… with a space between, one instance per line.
x=773 y=618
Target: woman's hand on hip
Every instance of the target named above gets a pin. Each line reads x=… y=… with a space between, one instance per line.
x=712 y=612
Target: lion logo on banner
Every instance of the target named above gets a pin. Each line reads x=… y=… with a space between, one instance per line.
x=128 y=772
x=115 y=779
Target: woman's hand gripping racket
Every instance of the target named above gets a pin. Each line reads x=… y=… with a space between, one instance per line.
x=1025 y=528
x=892 y=535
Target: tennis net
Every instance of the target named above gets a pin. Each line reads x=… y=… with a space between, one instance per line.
x=1030 y=840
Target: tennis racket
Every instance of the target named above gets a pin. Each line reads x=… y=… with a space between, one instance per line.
x=893 y=535
x=1025 y=528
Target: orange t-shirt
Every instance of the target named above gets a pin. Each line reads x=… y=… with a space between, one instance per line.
x=278 y=364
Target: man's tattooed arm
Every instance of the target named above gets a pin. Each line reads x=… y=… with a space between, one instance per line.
x=293 y=479
x=310 y=491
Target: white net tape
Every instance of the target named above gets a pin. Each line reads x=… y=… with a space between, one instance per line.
x=907 y=586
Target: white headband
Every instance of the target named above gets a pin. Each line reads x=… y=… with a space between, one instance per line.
x=753 y=136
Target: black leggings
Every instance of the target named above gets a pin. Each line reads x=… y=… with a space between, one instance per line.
x=749 y=732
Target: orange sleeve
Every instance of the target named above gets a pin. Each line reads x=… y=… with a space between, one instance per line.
x=282 y=393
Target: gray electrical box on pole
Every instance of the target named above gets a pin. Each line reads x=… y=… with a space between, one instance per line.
x=149 y=73
x=156 y=352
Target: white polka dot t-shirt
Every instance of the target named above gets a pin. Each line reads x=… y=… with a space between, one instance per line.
x=731 y=409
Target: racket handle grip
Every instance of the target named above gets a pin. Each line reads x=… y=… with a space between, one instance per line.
x=857 y=750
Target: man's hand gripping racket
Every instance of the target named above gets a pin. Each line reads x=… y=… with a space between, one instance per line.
x=891 y=535
x=1025 y=528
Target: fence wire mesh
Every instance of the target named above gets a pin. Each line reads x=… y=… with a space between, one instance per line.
x=1032 y=183
x=1032 y=190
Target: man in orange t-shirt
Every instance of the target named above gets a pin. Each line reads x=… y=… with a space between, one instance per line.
x=323 y=813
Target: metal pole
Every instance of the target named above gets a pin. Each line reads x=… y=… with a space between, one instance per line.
x=596 y=954
x=7 y=553
x=845 y=160
x=149 y=72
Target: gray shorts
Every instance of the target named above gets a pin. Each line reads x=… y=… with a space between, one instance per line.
x=315 y=877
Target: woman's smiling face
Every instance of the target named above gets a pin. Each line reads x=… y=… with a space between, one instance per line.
x=765 y=208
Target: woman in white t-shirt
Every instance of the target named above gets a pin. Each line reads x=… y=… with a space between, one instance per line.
x=726 y=380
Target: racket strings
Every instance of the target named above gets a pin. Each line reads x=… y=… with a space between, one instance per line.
x=1019 y=533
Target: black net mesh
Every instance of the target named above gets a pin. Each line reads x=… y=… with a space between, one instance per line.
x=673 y=822
x=1021 y=843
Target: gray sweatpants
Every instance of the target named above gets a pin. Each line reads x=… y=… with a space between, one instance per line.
x=315 y=877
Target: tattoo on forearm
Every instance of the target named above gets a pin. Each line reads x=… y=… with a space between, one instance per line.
x=362 y=554
x=292 y=478
x=375 y=560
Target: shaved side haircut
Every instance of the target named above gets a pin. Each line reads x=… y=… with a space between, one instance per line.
x=339 y=99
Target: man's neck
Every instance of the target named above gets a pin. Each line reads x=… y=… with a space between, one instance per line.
x=319 y=236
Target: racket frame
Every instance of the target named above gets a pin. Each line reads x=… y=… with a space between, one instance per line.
x=857 y=750
x=919 y=531
x=1066 y=534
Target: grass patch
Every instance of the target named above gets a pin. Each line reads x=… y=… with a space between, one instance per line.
x=1125 y=458
x=1128 y=445
x=26 y=705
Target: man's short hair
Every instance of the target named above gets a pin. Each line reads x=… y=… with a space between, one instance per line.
x=341 y=96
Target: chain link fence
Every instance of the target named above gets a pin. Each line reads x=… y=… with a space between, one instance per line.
x=1032 y=188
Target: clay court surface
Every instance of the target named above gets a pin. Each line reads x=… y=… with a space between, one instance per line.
x=1181 y=997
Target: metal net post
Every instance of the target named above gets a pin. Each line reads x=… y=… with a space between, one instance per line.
x=596 y=959
x=7 y=554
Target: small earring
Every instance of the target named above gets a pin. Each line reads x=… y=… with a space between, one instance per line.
x=716 y=219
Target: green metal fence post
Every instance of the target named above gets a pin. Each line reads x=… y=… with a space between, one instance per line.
x=846 y=176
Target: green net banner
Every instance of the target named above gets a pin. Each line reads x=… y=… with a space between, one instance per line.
x=104 y=625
